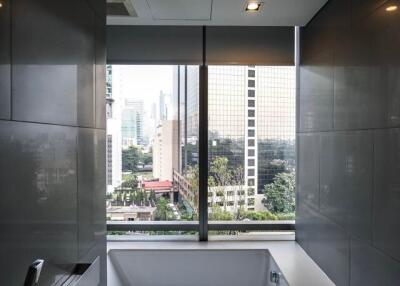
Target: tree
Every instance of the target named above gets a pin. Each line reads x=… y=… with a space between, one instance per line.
x=220 y=174
x=218 y=214
x=147 y=158
x=152 y=197
x=261 y=215
x=164 y=211
x=131 y=158
x=280 y=195
x=131 y=183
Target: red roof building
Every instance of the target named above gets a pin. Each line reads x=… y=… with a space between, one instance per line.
x=158 y=186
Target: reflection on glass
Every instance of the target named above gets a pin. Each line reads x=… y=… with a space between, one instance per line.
x=251 y=143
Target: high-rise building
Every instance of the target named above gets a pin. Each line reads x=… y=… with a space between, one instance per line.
x=165 y=150
x=132 y=123
x=113 y=143
x=251 y=111
x=165 y=110
x=252 y=122
x=186 y=103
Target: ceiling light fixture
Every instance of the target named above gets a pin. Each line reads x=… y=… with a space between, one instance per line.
x=1 y=4
x=253 y=6
x=391 y=8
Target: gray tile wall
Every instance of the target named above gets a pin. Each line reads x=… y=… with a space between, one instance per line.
x=52 y=137
x=348 y=188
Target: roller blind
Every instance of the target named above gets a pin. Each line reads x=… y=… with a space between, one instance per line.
x=250 y=45
x=154 y=44
x=184 y=45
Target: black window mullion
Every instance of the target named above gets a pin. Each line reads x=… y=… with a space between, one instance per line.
x=203 y=146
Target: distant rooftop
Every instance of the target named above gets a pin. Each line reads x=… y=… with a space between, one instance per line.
x=131 y=209
x=157 y=185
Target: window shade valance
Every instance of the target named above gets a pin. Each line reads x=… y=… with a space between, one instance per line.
x=184 y=45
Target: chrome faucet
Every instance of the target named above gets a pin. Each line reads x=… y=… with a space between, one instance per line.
x=33 y=275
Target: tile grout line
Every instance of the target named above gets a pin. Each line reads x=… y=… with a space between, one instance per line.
x=11 y=59
x=52 y=124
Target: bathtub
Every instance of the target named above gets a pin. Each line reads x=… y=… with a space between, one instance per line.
x=193 y=267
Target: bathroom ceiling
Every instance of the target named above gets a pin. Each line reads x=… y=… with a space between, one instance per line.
x=216 y=12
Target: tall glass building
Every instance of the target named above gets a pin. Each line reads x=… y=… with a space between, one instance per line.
x=132 y=123
x=252 y=119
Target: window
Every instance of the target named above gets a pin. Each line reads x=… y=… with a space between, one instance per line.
x=250 y=172
x=264 y=96
x=250 y=191
x=154 y=131
x=251 y=143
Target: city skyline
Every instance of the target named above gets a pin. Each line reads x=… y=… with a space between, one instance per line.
x=251 y=125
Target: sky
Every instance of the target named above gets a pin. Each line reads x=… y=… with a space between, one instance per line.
x=145 y=82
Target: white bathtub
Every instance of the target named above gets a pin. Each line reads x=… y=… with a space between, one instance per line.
x=187 y=267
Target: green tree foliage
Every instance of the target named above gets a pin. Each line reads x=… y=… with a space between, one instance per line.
x=219 y=173
x=152 y=196
x=262 y=215
x=228 y=148
x=274 y=157
x=164 y=211
x=134 y=157
x=147 y=158
x=131 y=183
x=280 y=195
x=218 y=213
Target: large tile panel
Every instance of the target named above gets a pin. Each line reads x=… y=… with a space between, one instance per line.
x=386 y=229
x=327 y=244
x=91 y=188
x=371 y=267
x=38 y=210
x=5 y=58
x=53 y=62
x=100 y=94
x=91 y=197
x=359 y=98
x=316 y=93
x=346 y=180
x=359 y=170
x=386 y=45
x=308 y=169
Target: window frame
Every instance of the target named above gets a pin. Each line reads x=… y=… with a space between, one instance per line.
x=203 y=225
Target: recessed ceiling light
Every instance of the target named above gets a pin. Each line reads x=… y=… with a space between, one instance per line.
x=253 y=6
x=391 y=8
x=1 y=4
